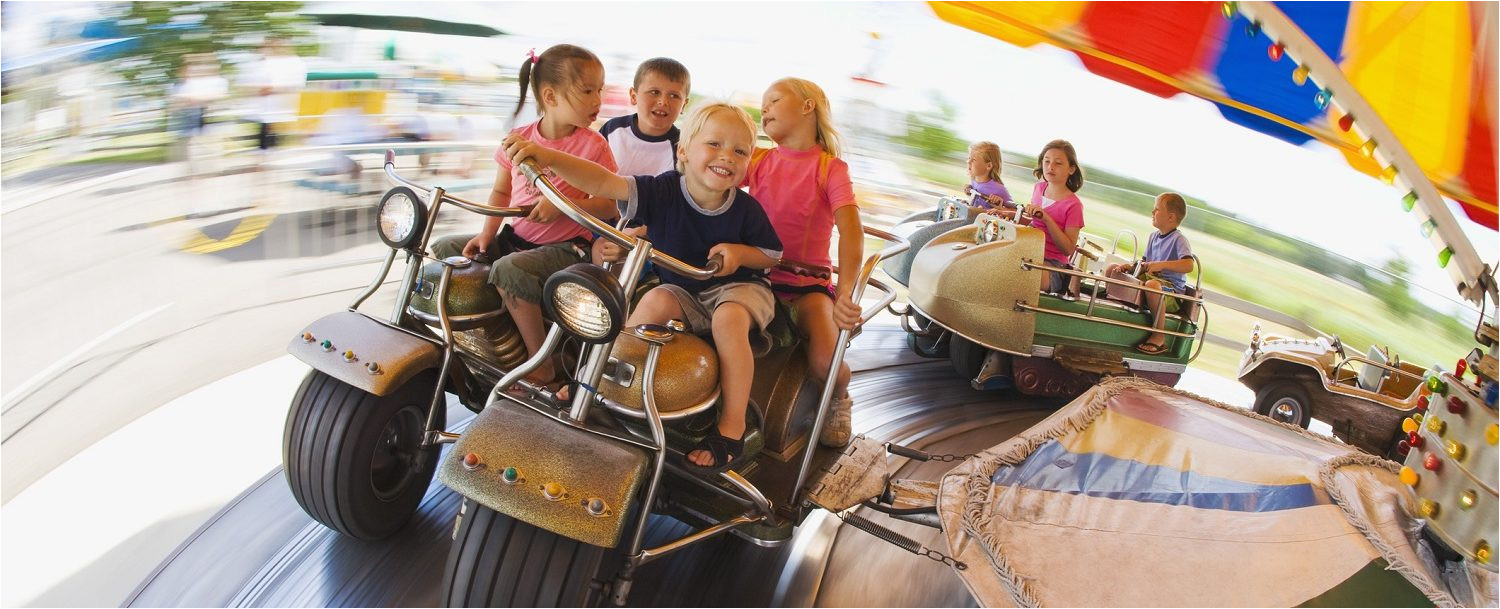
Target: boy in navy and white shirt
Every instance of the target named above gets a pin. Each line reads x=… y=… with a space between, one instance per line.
x=645 y=143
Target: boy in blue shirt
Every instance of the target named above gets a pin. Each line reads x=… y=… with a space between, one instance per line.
x=1165 y=266
x=697 y=212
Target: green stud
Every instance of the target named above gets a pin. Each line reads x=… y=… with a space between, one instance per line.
x=1437 y=385
x=1409 y=201
x=327 y=345
x=510 y=474
x=1444 y=256
x=1429 y=226
x=1227 y=9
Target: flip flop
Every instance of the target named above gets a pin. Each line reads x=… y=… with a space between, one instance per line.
x=1151 y=348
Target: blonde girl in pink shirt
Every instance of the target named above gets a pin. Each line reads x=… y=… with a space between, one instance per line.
x=566 y=81
x=805 y=189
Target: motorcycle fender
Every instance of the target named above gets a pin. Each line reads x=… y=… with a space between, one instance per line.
x=344 y=345
x=566 y=480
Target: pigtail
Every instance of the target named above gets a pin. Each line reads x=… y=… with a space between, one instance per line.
x=527 y=67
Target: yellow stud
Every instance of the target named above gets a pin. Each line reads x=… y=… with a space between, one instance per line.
x=1492 y=434
x=1409 y=476
x=1428 y=508
x=552 y=490
x=1455 y=449
x=1482 y=552
x=1468 y=499
x=1388 y=175
x=1409 y=425
x=1436 y=425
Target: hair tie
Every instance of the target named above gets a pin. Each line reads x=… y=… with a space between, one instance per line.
x=532 y=55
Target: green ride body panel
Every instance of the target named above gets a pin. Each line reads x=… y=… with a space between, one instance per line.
x=1054 y=330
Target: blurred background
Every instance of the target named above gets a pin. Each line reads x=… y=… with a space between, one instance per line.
x=155 y=258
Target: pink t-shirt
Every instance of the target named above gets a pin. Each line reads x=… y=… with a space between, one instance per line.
x=1068 y=213
x=582 y=143
x=800 y=204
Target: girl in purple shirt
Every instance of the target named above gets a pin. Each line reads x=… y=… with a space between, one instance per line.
x=990 y=194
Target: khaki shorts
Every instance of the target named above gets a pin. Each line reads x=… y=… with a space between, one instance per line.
x=697 y=310
x=518 y=273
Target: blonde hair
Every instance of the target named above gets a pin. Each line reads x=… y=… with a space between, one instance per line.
x=1174 y=204
x=698 y=117
x=827 y=135
x=989 y=153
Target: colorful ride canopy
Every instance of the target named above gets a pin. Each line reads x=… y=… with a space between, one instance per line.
x=1427 y=68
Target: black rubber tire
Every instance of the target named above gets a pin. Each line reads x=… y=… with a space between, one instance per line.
x=966 y=355
x=1290 y=395
x=498 y=561
x=927 y=346
x=354 y=460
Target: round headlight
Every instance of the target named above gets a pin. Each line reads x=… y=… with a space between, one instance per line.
x=586 y=301
x=400 y=217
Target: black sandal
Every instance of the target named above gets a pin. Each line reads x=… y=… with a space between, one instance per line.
x=726 y=452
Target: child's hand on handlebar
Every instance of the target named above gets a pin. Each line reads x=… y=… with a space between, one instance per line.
x=846 y=313
x=731 y=253
x=518 y=149
x=607 y=251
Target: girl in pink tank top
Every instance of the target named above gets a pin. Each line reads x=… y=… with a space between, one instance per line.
x=805 y=189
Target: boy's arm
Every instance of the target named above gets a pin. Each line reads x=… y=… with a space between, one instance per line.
x=1180 y=265
x=583 y=174
x=739 y=255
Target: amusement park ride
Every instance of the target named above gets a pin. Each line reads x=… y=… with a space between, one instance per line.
x=1150 y=481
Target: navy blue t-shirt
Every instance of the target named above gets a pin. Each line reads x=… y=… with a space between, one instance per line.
x=676 y=225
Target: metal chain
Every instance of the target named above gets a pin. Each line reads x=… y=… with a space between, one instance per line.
x=949 y=458
x=942 y=558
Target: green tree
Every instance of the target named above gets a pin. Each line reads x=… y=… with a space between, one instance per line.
x=929 y=133
x=167 y=32
x=1395 y=291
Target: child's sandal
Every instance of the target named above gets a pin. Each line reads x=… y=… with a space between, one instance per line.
x=724 y=451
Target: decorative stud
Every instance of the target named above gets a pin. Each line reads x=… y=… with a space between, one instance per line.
x=1410 y=425
x=372 y=368
x=1368 y=149
x=1491 y=434
x=1227 y=9
x=1456 y=405
x=1468 y=499
x=349 y=355
x=595 y=506
x=1455 y=450
x=1460 y=367
x=327 y=345
x=1252 y=29
x=1437 y=385
x=1415 y=440
x=1432 y=463
x=1299 y=75
x=1322 y=98
x=1275 y=51
x=1388 y=175
x=510 y=475
x=1428 y=508
x=1409 y=476
x=471 y=462
x=1422 y=403
x=307 y=337
x=1444 y=257
x=553 y=491
x=1482 y=552
x=1409 y=201
x=1346 y=122
x=1437 y=426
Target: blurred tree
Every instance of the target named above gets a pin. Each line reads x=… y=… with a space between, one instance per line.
x=1394 y=291
x=167 y=32
x=929 y=133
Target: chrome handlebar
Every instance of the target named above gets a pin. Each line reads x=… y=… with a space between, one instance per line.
x=467 y=205
x=605 y=230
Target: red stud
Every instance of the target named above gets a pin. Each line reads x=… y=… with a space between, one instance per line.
x=1455 y=405
x=1346 y=122
x=1432 y=462
x=1274 y=51
x=1422 y=403
x=1403 y=447
x=471 y=461
x=1414 y=440
x=1460 y=368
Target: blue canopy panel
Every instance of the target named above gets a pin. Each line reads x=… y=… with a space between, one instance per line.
x=1248 y=77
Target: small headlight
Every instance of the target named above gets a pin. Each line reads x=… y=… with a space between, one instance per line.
x=586 y=301
x=400 y=217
